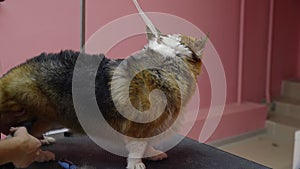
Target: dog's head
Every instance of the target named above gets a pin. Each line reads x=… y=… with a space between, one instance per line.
x=12 y=114
x=188 y=48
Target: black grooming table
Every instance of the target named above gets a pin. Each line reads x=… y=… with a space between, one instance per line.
x=188 y=154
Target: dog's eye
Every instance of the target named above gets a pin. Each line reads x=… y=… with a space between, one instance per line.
x=20 y=113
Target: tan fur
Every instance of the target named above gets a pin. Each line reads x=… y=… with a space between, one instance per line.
x=143 y=83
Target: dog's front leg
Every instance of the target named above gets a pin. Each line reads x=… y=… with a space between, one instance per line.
x=136 y=151
x=39 y=127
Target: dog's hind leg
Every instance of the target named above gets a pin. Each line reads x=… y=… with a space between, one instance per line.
x=136 y=151
x=155 y=155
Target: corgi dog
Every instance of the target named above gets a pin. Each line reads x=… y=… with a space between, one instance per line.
x=40 y=90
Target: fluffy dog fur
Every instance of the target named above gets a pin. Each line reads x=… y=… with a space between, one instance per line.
x=40 y=90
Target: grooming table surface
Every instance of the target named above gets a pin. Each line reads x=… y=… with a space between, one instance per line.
x=189 y=154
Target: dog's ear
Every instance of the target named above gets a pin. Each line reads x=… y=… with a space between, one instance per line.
x=150 y=34
x=200 y=45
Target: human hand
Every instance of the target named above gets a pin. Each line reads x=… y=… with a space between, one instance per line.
x=28 y=147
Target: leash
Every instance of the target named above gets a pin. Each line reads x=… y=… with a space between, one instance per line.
x=146 y=19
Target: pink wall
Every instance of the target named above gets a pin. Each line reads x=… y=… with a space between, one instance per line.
x=285 y=43
x=298 y=74
x=285 y=51
x=32 y=26
x=255 y=50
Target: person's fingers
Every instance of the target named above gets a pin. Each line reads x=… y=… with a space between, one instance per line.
x=18 y=131
x=36 y=141
x=27 y=160
x=13 y=129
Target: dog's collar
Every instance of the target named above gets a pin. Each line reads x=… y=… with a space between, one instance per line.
x=169 y=46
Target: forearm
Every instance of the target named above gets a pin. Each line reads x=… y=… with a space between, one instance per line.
x=9 y=149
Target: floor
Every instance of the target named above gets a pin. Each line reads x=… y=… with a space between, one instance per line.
x=272 y=147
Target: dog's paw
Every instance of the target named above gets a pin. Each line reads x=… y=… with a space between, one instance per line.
x=155 y=155
x=47 y=140
x=45 y=156
x=158 y=157
x=139 y=165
